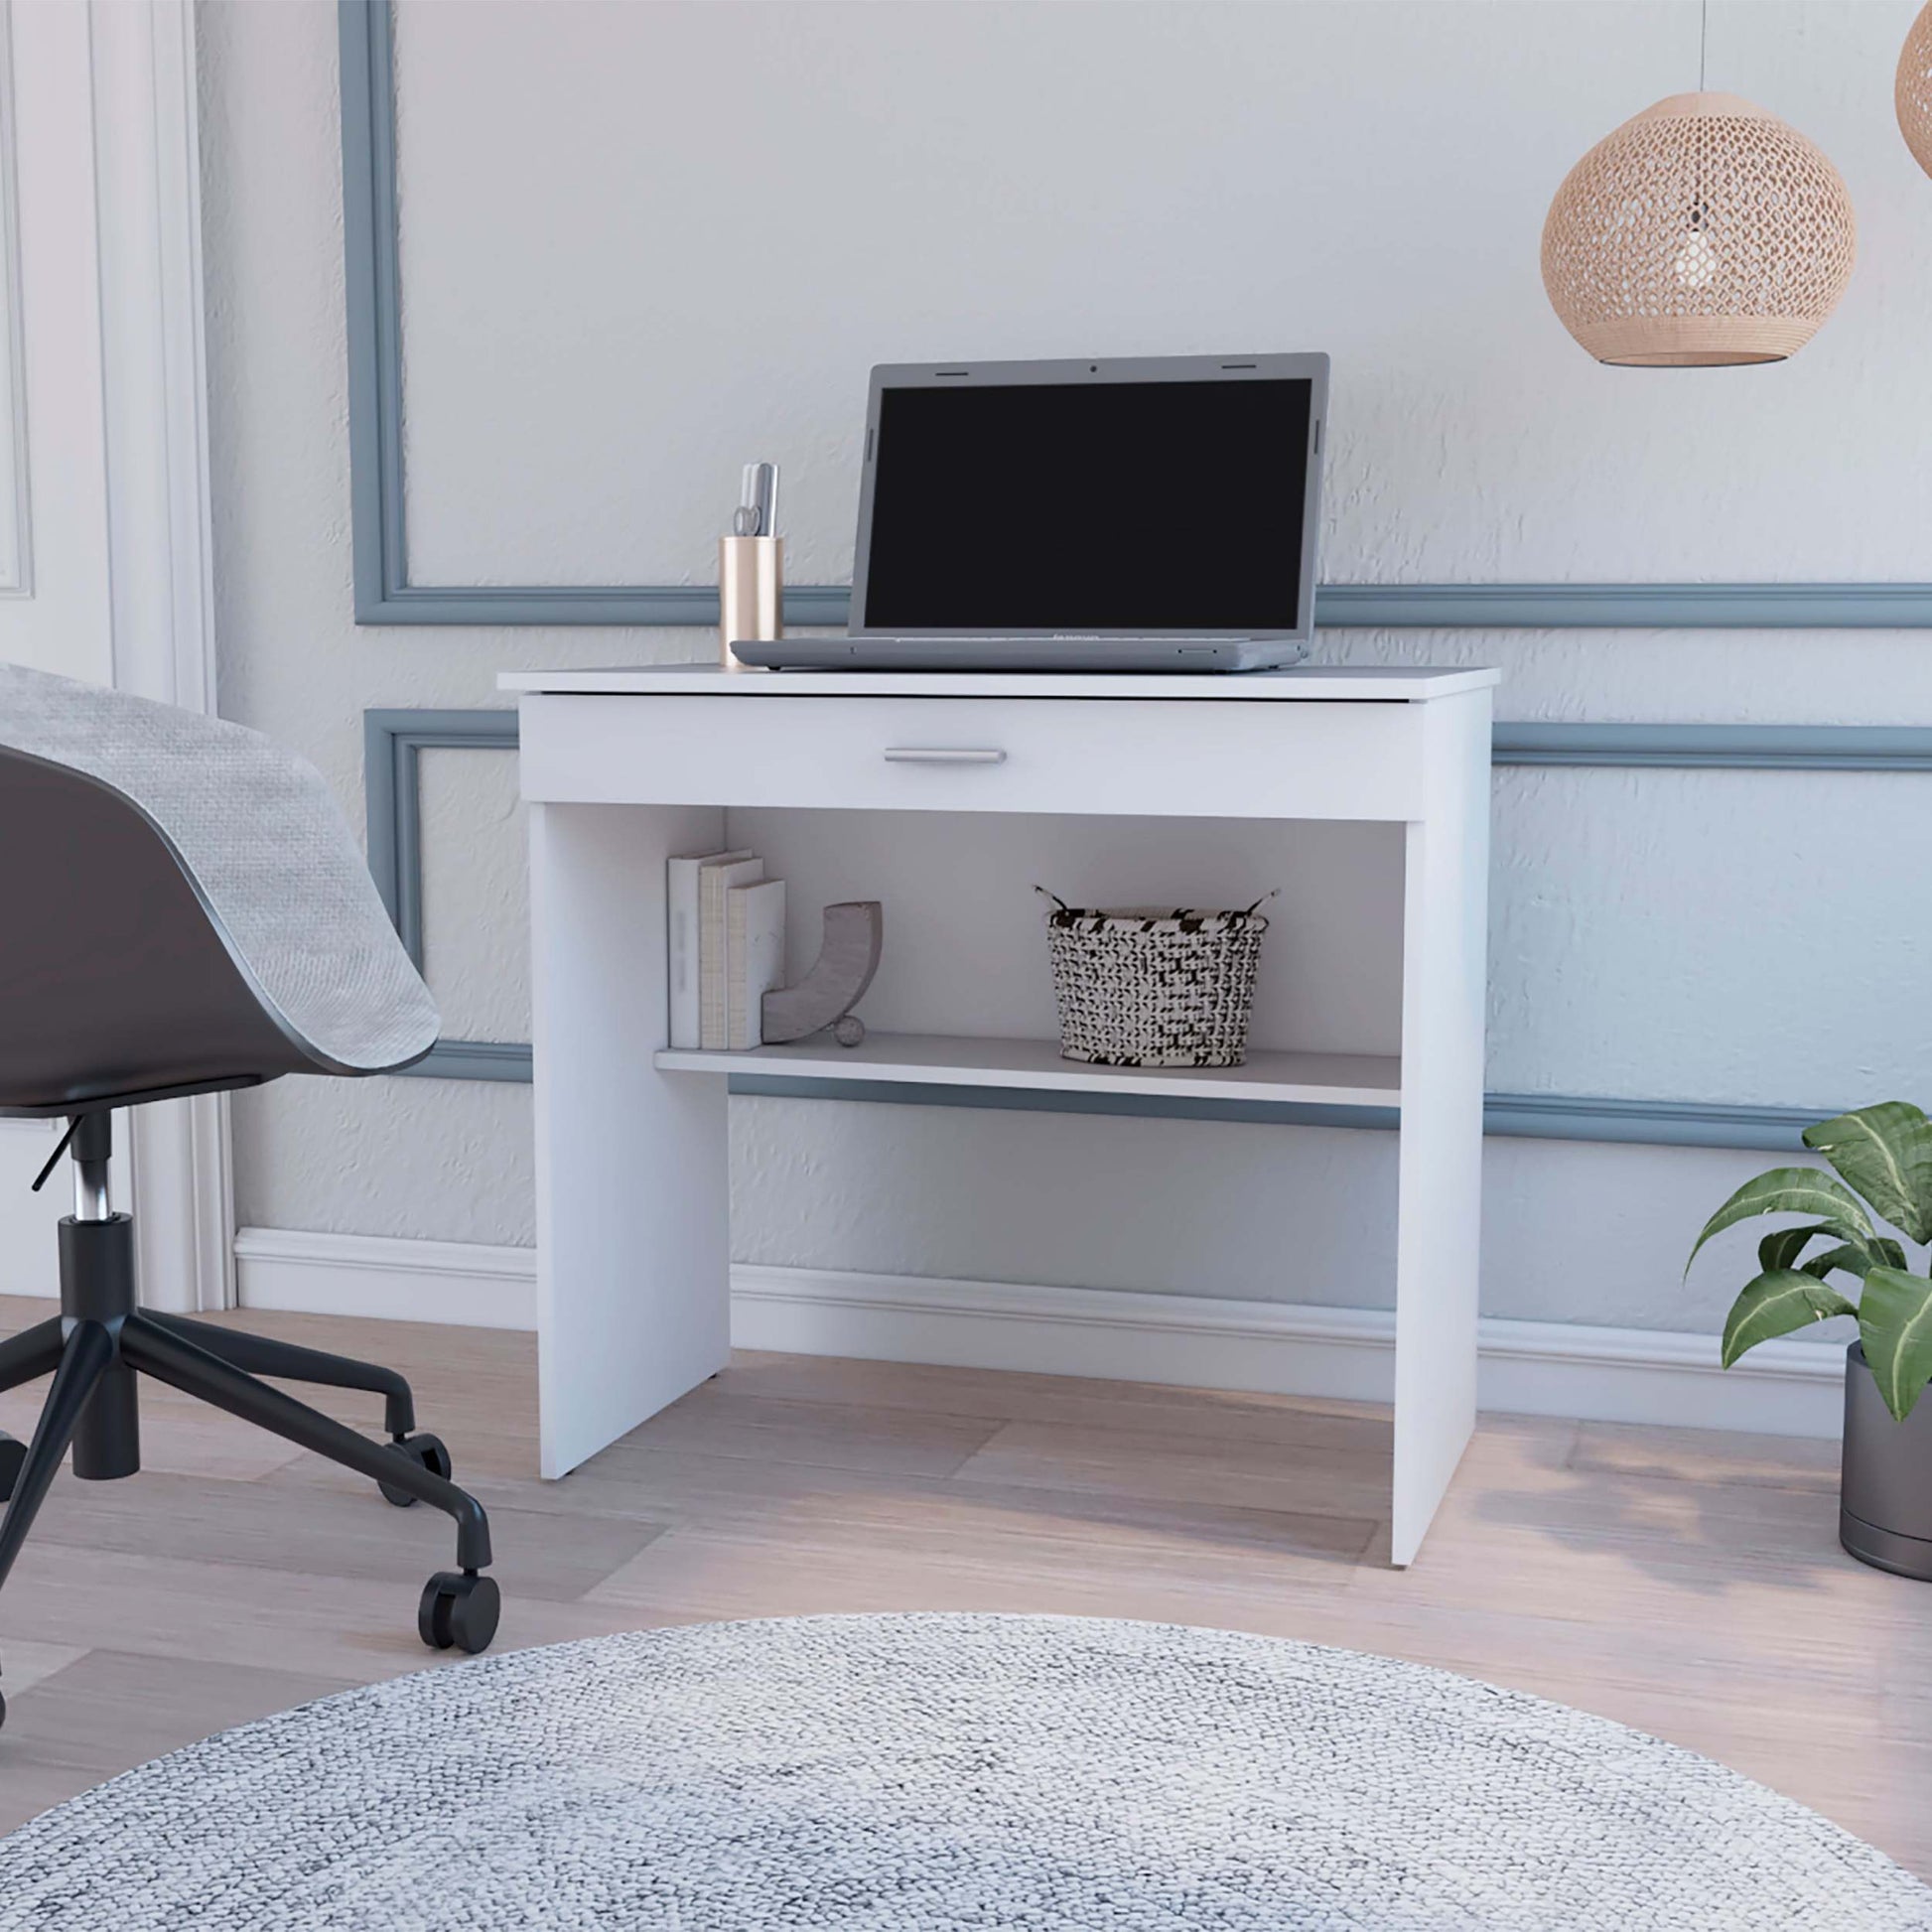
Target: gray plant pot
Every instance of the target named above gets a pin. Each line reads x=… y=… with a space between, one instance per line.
x=1885 y=1515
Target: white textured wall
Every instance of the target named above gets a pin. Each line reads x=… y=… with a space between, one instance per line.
x=641 y=243
x=395 y=1156
x=1369 y=179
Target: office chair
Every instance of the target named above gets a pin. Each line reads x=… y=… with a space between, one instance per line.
x=184 y=912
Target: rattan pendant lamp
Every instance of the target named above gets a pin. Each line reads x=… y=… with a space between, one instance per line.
x=1913 y=92
x=1702 y=232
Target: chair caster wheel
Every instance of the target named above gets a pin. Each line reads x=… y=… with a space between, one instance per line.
x=13 y=1453
x=458 y=1609
x=426 y=1451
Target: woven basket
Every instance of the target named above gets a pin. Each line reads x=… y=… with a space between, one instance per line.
x=1142 y=987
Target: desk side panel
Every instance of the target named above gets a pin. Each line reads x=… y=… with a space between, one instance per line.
x=631 y=1165
x=1439 y=1185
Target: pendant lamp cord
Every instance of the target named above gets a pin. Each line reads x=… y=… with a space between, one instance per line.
x=1703 y=35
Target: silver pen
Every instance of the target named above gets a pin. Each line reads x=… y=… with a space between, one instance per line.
x=757 y=514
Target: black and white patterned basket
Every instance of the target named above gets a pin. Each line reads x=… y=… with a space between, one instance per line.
x=1141 y=987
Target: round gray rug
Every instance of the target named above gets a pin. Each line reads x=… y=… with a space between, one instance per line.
x=924 y=1774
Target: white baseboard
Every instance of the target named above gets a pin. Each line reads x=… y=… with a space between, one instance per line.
x=463 y=1283
x=1537 y=1368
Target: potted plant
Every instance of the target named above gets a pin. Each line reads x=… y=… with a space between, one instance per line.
x=1884 y=1155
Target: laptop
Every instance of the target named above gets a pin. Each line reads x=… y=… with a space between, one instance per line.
x=1156 y=514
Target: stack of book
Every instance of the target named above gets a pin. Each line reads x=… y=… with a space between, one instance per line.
x=728 y=949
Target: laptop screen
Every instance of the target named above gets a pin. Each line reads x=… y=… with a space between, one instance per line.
x=1125 y=506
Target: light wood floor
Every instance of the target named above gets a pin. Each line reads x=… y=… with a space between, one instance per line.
x=1684 y=1583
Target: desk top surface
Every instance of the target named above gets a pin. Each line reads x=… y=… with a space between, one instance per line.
x=1306 y=683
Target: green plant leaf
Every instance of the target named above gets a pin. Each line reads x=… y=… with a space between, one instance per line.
x=1774 y=1305
x=1886 y=1153
x=1895 y=1326
x=1792 y=1190
x=1782 y=1246
x=1848 y=1256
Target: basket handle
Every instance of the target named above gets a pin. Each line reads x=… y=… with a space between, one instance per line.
x=1274 y=892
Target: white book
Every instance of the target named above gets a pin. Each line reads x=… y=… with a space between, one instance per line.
x=713 y=882
x=754 y=959
x=681 y=900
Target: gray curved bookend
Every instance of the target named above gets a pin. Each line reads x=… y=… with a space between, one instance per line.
x=846 y=959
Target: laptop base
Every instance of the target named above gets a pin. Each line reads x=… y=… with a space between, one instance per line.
x=1020 y=653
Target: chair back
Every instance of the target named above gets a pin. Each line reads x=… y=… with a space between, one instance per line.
x=185 y=910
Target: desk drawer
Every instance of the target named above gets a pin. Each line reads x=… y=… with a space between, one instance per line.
x=1211 y=758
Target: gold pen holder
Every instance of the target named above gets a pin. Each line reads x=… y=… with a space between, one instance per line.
x=751 y=594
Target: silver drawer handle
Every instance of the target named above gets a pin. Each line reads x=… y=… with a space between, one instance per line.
x=943 y=754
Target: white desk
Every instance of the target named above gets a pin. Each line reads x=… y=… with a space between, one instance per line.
x=623 y=768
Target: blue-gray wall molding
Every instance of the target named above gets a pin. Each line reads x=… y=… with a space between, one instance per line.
x=393 y=741
x=392 y=745
x=1520 y=1116
x=384 y=594
x=1733 y=747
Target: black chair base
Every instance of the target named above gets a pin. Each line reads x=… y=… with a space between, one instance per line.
x=101 y=1343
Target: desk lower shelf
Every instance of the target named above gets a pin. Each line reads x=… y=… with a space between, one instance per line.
x=940 y=1059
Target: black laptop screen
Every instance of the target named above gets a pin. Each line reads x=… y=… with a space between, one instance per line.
x=1104 y=506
